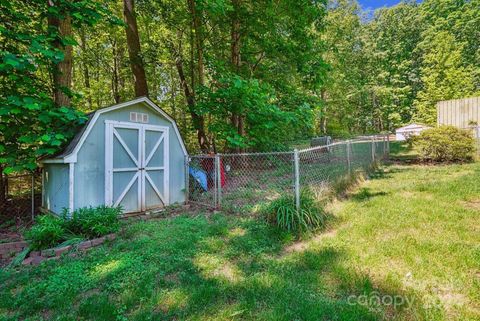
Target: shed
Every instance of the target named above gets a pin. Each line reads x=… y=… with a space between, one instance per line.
x=403 y=133
x=129 y=155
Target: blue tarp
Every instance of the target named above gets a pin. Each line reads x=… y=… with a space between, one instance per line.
x=200 y=176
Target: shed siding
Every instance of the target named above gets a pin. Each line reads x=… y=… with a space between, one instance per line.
x=90 y=167
x=55 y=197
x=459 y=112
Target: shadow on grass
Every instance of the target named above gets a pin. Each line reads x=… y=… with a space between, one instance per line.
x=196 y=268
x=387 y=171
x=365 y=194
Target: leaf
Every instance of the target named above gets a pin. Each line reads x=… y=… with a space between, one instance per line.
x=68 y=41
x=8 y=170
x=77 y=15
x=56 y=142
x=12 y=61
x=32 y=106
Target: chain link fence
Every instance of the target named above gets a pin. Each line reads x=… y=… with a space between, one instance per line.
x=245 y=181
x=20 y=198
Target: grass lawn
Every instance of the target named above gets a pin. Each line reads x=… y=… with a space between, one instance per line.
x=410 y=235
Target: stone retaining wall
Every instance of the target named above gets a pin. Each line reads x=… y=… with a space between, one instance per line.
x=9 y=250
x=35 y=257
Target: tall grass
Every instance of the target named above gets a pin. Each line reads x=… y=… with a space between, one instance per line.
x=283 y=213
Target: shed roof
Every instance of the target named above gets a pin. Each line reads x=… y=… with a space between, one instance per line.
x=68 y=154
x=412 y=126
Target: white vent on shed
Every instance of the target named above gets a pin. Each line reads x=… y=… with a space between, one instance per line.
x=138 y=117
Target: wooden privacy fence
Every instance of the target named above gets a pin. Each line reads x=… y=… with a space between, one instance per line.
x=461 y=113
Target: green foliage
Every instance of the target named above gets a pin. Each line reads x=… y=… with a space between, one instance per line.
x=30 y=123
x=47 y=232
x=18 y=259
x=91 y=222
x=283 y=213
x=263 y=118
x=395 y=66
x=273 y=89
x=84 y=223
x=445 y=144
x=224 y=267
x=444 y=75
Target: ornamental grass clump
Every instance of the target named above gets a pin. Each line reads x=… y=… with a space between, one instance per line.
x=84 y=223
x=91 y=222
x=47 y=232
x=283 y=213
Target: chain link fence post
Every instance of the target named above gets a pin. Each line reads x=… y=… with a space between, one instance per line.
x=187 y=178
x=388 y=146
x=297 y=178
x=373 y=149
x=349 y=161
x=218 y=174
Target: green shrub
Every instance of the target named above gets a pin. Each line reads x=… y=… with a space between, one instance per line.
x=91 y=222
x=48 y=231
x=84 y=223
x=445 y=144
x=283 y=213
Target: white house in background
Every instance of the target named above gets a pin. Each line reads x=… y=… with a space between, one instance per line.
x=403 y=133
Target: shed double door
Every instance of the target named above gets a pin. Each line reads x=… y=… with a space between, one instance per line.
x=136 y=165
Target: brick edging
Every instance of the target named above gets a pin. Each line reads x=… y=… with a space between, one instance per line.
x=7 y=250
x=36 y=257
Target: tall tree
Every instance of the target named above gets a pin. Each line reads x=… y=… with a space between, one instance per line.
x=134 y=51
x=443 y=75
x=34 y=119
x=85 y=66
x=61 y=24
x=237 y=119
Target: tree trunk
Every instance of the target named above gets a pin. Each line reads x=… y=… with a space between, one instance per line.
x=173 y=96
x=235 y=35
x=115 y=84
x=323 y=117
x=3 y=188
x=86 y=72
x=197 y=27
x=198 y=120
x=62 y=72
x=237 y=119
x=134 y=51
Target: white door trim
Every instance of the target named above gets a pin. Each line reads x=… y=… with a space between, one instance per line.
x=142 y=169
x=166 y=166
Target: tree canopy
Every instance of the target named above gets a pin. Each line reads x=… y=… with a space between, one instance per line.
x=236 y=75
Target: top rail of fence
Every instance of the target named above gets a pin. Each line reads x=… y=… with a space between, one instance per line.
x=358 y=139
x=256 y=153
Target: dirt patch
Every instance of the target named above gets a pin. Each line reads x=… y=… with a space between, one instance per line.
x=473 y=204
x=10 y=236
x=451 y=301
x=172 y=278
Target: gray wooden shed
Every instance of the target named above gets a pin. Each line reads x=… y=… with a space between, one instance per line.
x=129 y=155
